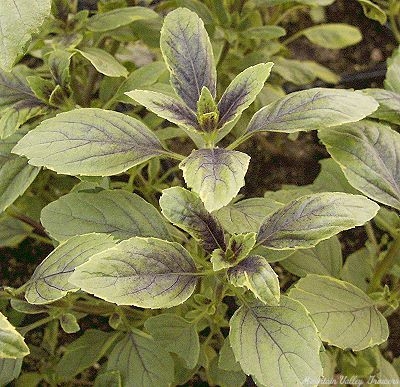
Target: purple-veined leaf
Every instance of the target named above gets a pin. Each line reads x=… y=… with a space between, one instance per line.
x=242 y=91
x=167 y=107
x=145 y=272
x=312 y=109
x=187 y=51
x=186 y=210
x=307 y=220
x=215 y=174
x=92 y=142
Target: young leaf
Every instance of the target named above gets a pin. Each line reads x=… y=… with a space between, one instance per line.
x=141 y=362
x=369 y=155
x=215 y=174
x=242 y=91
x=373 y=11
x=325 y=259
x=333 y=35
x=119 y=17
x=145 y=272
x=176 y=335
x=69 y=323
x=83 y=353
x=104 y=62
x=9 y=370
x=12 y=345
x=15 y=173
x=19 y=20
x=108 y=379
x=118 y=213
x=312 y=109
x=344 y=315
x=306 y=221
x=207 y=111
x=167 y=107
x=92 y=142
x=256 y=274
x=283 y=336
x=389 y=105
x=188 y=54
x=246 y=215
x=392 y=81
x=185 y=210
x=49 y=281
x=59 y=62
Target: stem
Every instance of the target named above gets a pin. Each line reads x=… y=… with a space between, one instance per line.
x=385 y=265
x=371 y=237
x=393 y=22
x=37 y=227
x=175 y=156
x=282 y=16
x=292 y=38
x=392 y=231
x=239 y=141
x=24 y=330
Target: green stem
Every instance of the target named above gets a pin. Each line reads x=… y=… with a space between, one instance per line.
x=372 y=238
x=379 y=219
x=24 y=330
x=292 y=38
x=239 y=141
x=283 y=15
x=175 y=156
x=393 y=22
x=383 y=266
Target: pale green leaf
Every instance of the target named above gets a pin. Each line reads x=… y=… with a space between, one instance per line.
x=246 y=215
x=389 y=105
x=306 y=221
x=108 y=379
x=368 y=153
x=104 y=62
x=15 y=173
x=119 y=17
x=344 y=315
x=117 y=212
x=83 y=353
x=50 y=280
x=9 y=370
x=277 y=345
x=268 y=32
x=256 y=274
x=226 y=360
x=215 y=174
x=373 y=11
x=69 y=323
x=392 y=81
x=91 y=142
x=141 y=362
x=176 y=335
x=19 y=20
x=12 y=231
x=12 y=345
x=145 y=272
x=312 y=109
x=167 y=107
x=223 y=378
x=333 y=35
x=187 y=51
x=325 y=259
x=184 y=209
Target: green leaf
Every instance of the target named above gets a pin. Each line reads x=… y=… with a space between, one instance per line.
x=50 y=280
x=12 y=345
x=325 y=259
x=215 y=174
x=138 y=355
x=59 y=62
x=167 y=107
x=69 y=323
x=264 y=32
x=145 y=272
x=119 y=17
x=9 y=370
x=15 y=173
x=117 y=212
x=312 y=109
x=344 y=315
x=389 y=105
x=242 y=91
x=207 y=111
x=392 y=81
x=12 y=231
x=83 y=353
x=277 y=345
x=91 y=142
x=368 y=153
x=373 y=11
x=188 y=54
x=256 y=274
x=104 y=62
x=306 y=221
x=246 y=215
x=185 y=210
x=333 y=35
x=223 y=378
x=108 y=379
x=19 y=20
x=176 y=335
x=226 y=360
x=238 y=248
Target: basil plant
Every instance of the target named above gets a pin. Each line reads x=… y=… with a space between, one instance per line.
x=192 y=290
